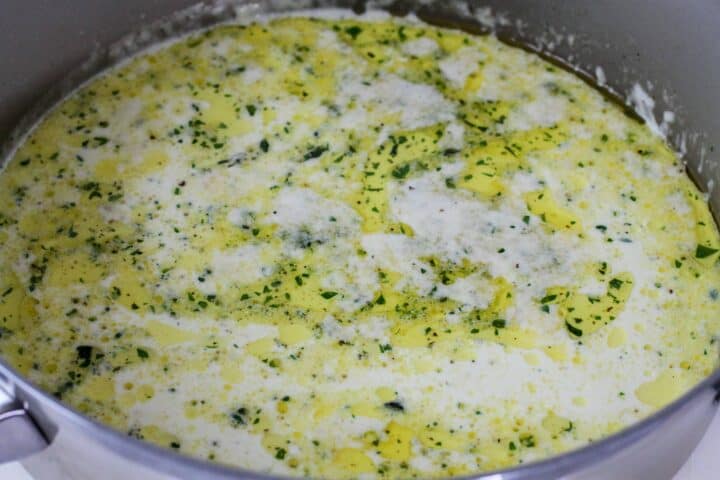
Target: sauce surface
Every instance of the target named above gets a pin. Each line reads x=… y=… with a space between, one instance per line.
x=354 y=248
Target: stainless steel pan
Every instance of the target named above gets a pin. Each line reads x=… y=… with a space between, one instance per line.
x=671 y=48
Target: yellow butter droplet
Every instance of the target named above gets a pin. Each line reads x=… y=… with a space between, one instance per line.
x=231 y=373
x=556 y=352
x=532 y=359
x=664 y=389
x=352 y=460
x=323 y=409
x=397 y=445
x=617 y=337
x=157 y=435
x=145 y=392
x=553 y=215
x=98 y=388
x=260 y=347
x=473 y=82
x=166 y=334
x=438 y=437
x=556 y=424
x=292 y=334
x=366 y=409
x=385 y=394
x=510 y=336
x=107 y=168
x=482 y=179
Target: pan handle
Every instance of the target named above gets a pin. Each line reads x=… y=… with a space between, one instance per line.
x=20 y=437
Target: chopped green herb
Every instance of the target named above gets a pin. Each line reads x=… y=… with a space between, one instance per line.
x=84 y=355
x=238 y=416
x=353 y=31
x=315 y=152
x=394 y=406
x=401 y=172
x=548 y=298
x=527 y=441
x=703 y=251
x=575 y=331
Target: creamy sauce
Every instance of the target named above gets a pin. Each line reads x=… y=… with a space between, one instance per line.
x=354 y=248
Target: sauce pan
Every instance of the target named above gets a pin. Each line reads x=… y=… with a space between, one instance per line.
x=666 y=48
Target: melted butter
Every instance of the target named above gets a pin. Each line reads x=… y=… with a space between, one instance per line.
x=354 y=248
x=661 y=390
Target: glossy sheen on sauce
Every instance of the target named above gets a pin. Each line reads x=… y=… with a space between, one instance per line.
x=354 y=248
